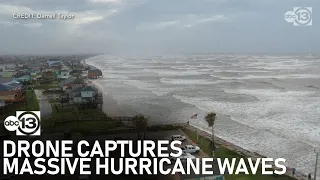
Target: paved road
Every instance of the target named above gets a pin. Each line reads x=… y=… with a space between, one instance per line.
x=45 y=106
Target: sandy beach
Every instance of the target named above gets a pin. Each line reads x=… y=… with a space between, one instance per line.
x=110 y=106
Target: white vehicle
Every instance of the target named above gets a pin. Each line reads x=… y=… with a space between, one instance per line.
x=190 y=149
x=184 y=156
x=178 y=138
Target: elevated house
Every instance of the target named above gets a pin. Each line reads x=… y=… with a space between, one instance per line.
x=54 y=64
x=67 y=83
x=20 y=73
x=14 y=85
x=63 y=74
x=11 y=92
x=78 y=83
x=24 y=79
x=85 y=95
x=35 y=72
x=94 y=73
x=78 y=66
x=35 y=66
x=47 y=77
x=76 y=72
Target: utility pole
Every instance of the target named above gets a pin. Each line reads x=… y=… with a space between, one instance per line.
x=316 y=166
x=197 y=129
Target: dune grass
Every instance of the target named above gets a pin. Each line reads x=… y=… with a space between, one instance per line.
x=32 y=101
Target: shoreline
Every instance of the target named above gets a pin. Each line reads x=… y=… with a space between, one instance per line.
x=243 y=152
x=110 y=106
x=239 y=150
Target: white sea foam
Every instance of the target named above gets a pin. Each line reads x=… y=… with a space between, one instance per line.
x=190 y=81
x=271 y=94
x=241 y=71
x=173 y=72
x=114 y=76
x=281 y=118
x=276 y=123
x=182 y=68
x=150 y=87
x=285 y=76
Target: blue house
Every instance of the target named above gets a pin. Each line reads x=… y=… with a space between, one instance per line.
x=54 y=64
x=24 y=78
x=4 y=87
x=82 y=95
x=14 y=85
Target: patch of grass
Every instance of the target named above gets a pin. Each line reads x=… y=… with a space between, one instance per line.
x=86 y=120
x=46 y=124
x=68 y=113
x=32 y=101
x=53 y=84
x=223 y=152
x=87 y=126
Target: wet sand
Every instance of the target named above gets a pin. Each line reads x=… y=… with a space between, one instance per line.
x=110 y=106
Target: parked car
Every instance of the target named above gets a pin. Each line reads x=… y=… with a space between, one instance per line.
x=190 y=149
x=178 y=138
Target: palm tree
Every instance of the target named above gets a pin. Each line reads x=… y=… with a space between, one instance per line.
x=140 y=123
x=211 y=118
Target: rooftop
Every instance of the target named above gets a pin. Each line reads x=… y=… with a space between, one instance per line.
x=5 y=93
x=6 y=79
x=24 y=77
x=86 y=88
x=4 y=87
x=78 y=81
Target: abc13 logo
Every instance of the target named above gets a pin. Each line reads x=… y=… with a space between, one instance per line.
x=25 y=123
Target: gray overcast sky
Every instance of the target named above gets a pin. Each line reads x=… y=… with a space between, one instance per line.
x=157 y=26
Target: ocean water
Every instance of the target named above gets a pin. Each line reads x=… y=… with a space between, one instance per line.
x=266 y=104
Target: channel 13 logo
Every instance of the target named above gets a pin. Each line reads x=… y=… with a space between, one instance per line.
x=25 y=123
x=300 y=16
